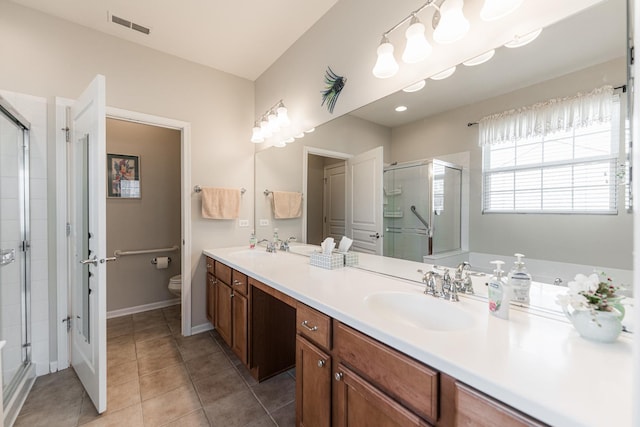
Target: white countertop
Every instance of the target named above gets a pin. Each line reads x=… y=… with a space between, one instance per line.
x=536 y=364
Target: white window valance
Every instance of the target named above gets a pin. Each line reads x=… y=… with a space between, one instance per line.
x=542 y=118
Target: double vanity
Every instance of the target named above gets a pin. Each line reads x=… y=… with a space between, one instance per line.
x=367 y=346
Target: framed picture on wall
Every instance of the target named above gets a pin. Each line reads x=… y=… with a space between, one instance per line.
x=123 y=176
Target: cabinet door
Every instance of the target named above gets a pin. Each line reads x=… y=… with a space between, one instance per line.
x=240 y=332
x=211 y=292
x=357 y=403
x=313 y=385
x=223 y=311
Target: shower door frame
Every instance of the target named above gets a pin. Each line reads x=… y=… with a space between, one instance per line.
x=14 y=116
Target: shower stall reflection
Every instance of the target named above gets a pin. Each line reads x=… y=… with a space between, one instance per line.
x=422 y=209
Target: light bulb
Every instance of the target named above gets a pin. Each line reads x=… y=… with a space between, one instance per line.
x=453 y=25
x=496 y=9
x=274 y=126
x=480 y=59
x=418 y=48
x=264 y=126
x=386 y=65
x=519 y=41
x=444 y=74
x=415 y=87
x=256 y=136
x=283 y=117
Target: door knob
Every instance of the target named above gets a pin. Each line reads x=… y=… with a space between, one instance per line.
x=377 y=235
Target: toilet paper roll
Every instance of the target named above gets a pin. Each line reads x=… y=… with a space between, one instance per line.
x=162 y=262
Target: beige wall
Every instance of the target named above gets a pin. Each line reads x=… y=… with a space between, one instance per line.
x=562 y=238
x=52 y=57
x=152 y=221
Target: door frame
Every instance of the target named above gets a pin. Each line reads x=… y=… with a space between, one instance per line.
x=62 y=262
x=306 y=150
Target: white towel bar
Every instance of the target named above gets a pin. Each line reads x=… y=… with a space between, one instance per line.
x=198 y=189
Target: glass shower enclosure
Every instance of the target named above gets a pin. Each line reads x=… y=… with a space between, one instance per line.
x=422 y=209
x=15 y=326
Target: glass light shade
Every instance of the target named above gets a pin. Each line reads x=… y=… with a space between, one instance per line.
x=264 y=126
x=519 y=41
x=279 y=144
x=274 y=126
x=299 y=135
x=415 y=87
x=496 y=9
x=289 y=140
x=283 y=117
x=417 y=48
x=480 y=59
x=444 y=74
x=256 y=136
x=386 y=65
x=453 y=25
x=309 y=130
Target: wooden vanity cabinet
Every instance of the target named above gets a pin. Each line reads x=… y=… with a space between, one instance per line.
x=211 y=280
x=313 y=368
x=232 y=309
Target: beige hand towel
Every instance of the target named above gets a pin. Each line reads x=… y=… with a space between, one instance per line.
x=220 y=203
x=287 y=204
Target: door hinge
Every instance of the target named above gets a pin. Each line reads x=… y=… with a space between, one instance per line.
x=68 y=229
x=26 y=345
x=24 y=246
x=67 y=131
x=68 y=320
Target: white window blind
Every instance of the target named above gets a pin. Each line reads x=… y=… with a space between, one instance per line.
x=558 y=168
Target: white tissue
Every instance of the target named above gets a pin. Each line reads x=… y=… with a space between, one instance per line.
x=345 y=244
x=328 y=245
x=162 y=262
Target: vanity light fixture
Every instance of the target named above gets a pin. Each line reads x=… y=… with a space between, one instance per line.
x=519 y=41
x=495 y=9
x=270 y=123
x=289 y=140
x=299 y=135
x=480 y=59
x=401 y=108
x=279 y=144
x=418 y=48
x=309 y=130
x=444 y=74
x=386 y=65
x=453 y=25
x=415 y=87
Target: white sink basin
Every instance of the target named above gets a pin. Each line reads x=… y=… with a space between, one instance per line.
x=251 y=253
x=419 y=311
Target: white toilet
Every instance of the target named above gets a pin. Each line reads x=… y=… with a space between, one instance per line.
x=175 y=285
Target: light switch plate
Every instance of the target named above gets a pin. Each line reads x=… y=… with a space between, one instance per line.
x=243 y=223
x=264 y=222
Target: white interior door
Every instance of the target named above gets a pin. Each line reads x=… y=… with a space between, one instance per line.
x=87 y=242
x=334 y=201
x=364 y=201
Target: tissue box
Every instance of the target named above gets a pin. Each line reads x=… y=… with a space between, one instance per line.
x=330 y=262
x=350 y=258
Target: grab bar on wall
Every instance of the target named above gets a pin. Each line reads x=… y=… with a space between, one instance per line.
x=119 y=252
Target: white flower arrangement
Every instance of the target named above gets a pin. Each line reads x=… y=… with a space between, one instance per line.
x=595 y=292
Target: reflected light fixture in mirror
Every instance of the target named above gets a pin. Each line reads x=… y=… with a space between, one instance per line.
x=480 y=59
x=417 y=48
x=273 y=121
x=453 y=25
x=386 y=65
x=444 y=74
x=401 y=108
x=415 y=87
x=495 y=9
x=519 y=41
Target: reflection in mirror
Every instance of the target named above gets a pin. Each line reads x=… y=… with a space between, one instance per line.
x=568 y=58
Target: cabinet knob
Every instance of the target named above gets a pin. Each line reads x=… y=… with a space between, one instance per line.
x=321 y=363
x=237 y=283
x=339 y=376
x=208 y=265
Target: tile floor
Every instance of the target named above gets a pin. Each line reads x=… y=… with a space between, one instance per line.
x=156 y=377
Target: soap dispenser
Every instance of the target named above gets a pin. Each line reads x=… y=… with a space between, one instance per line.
x=520 y=281
x=499 y=293
x=252 y=239
x=276 y=239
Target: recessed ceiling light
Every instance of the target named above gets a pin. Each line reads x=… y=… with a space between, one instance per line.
x=444 y=74
x=519 y=41
x=401 y=108
x=480 y=59
x=415 y=87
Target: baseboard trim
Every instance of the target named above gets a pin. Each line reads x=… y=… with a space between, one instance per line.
x=53 y=367
x=141 y=308
x=204 y=327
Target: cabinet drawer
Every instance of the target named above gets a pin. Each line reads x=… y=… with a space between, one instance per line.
x=475 y=409
x=313 y=325
x=223 y=272
x=406 y=380
x=209 y=263
x=239 y=282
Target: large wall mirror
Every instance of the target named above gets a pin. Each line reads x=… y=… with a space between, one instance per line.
x=578 y=54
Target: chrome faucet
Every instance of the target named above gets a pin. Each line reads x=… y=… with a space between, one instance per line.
x=284 y=244
x=464 y=285
x=271 y=247
x=449 y=289
x=429 y=278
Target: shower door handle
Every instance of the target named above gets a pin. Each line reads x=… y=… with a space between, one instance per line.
x=93 y=261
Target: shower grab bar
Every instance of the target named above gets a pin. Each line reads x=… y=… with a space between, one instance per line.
x=119 y=252
x=422 y=220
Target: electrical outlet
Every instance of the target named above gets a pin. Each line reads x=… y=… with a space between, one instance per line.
x=264 y=222
x=243 y=223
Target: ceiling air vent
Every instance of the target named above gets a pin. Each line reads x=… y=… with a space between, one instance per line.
x=131 y=25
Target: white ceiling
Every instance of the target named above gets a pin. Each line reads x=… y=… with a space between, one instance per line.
x=241 y=37
x=591 y=37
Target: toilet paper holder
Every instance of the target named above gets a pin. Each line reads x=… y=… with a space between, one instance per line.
x=155 y=260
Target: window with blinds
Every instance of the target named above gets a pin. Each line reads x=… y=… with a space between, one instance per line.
x=570 y=171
